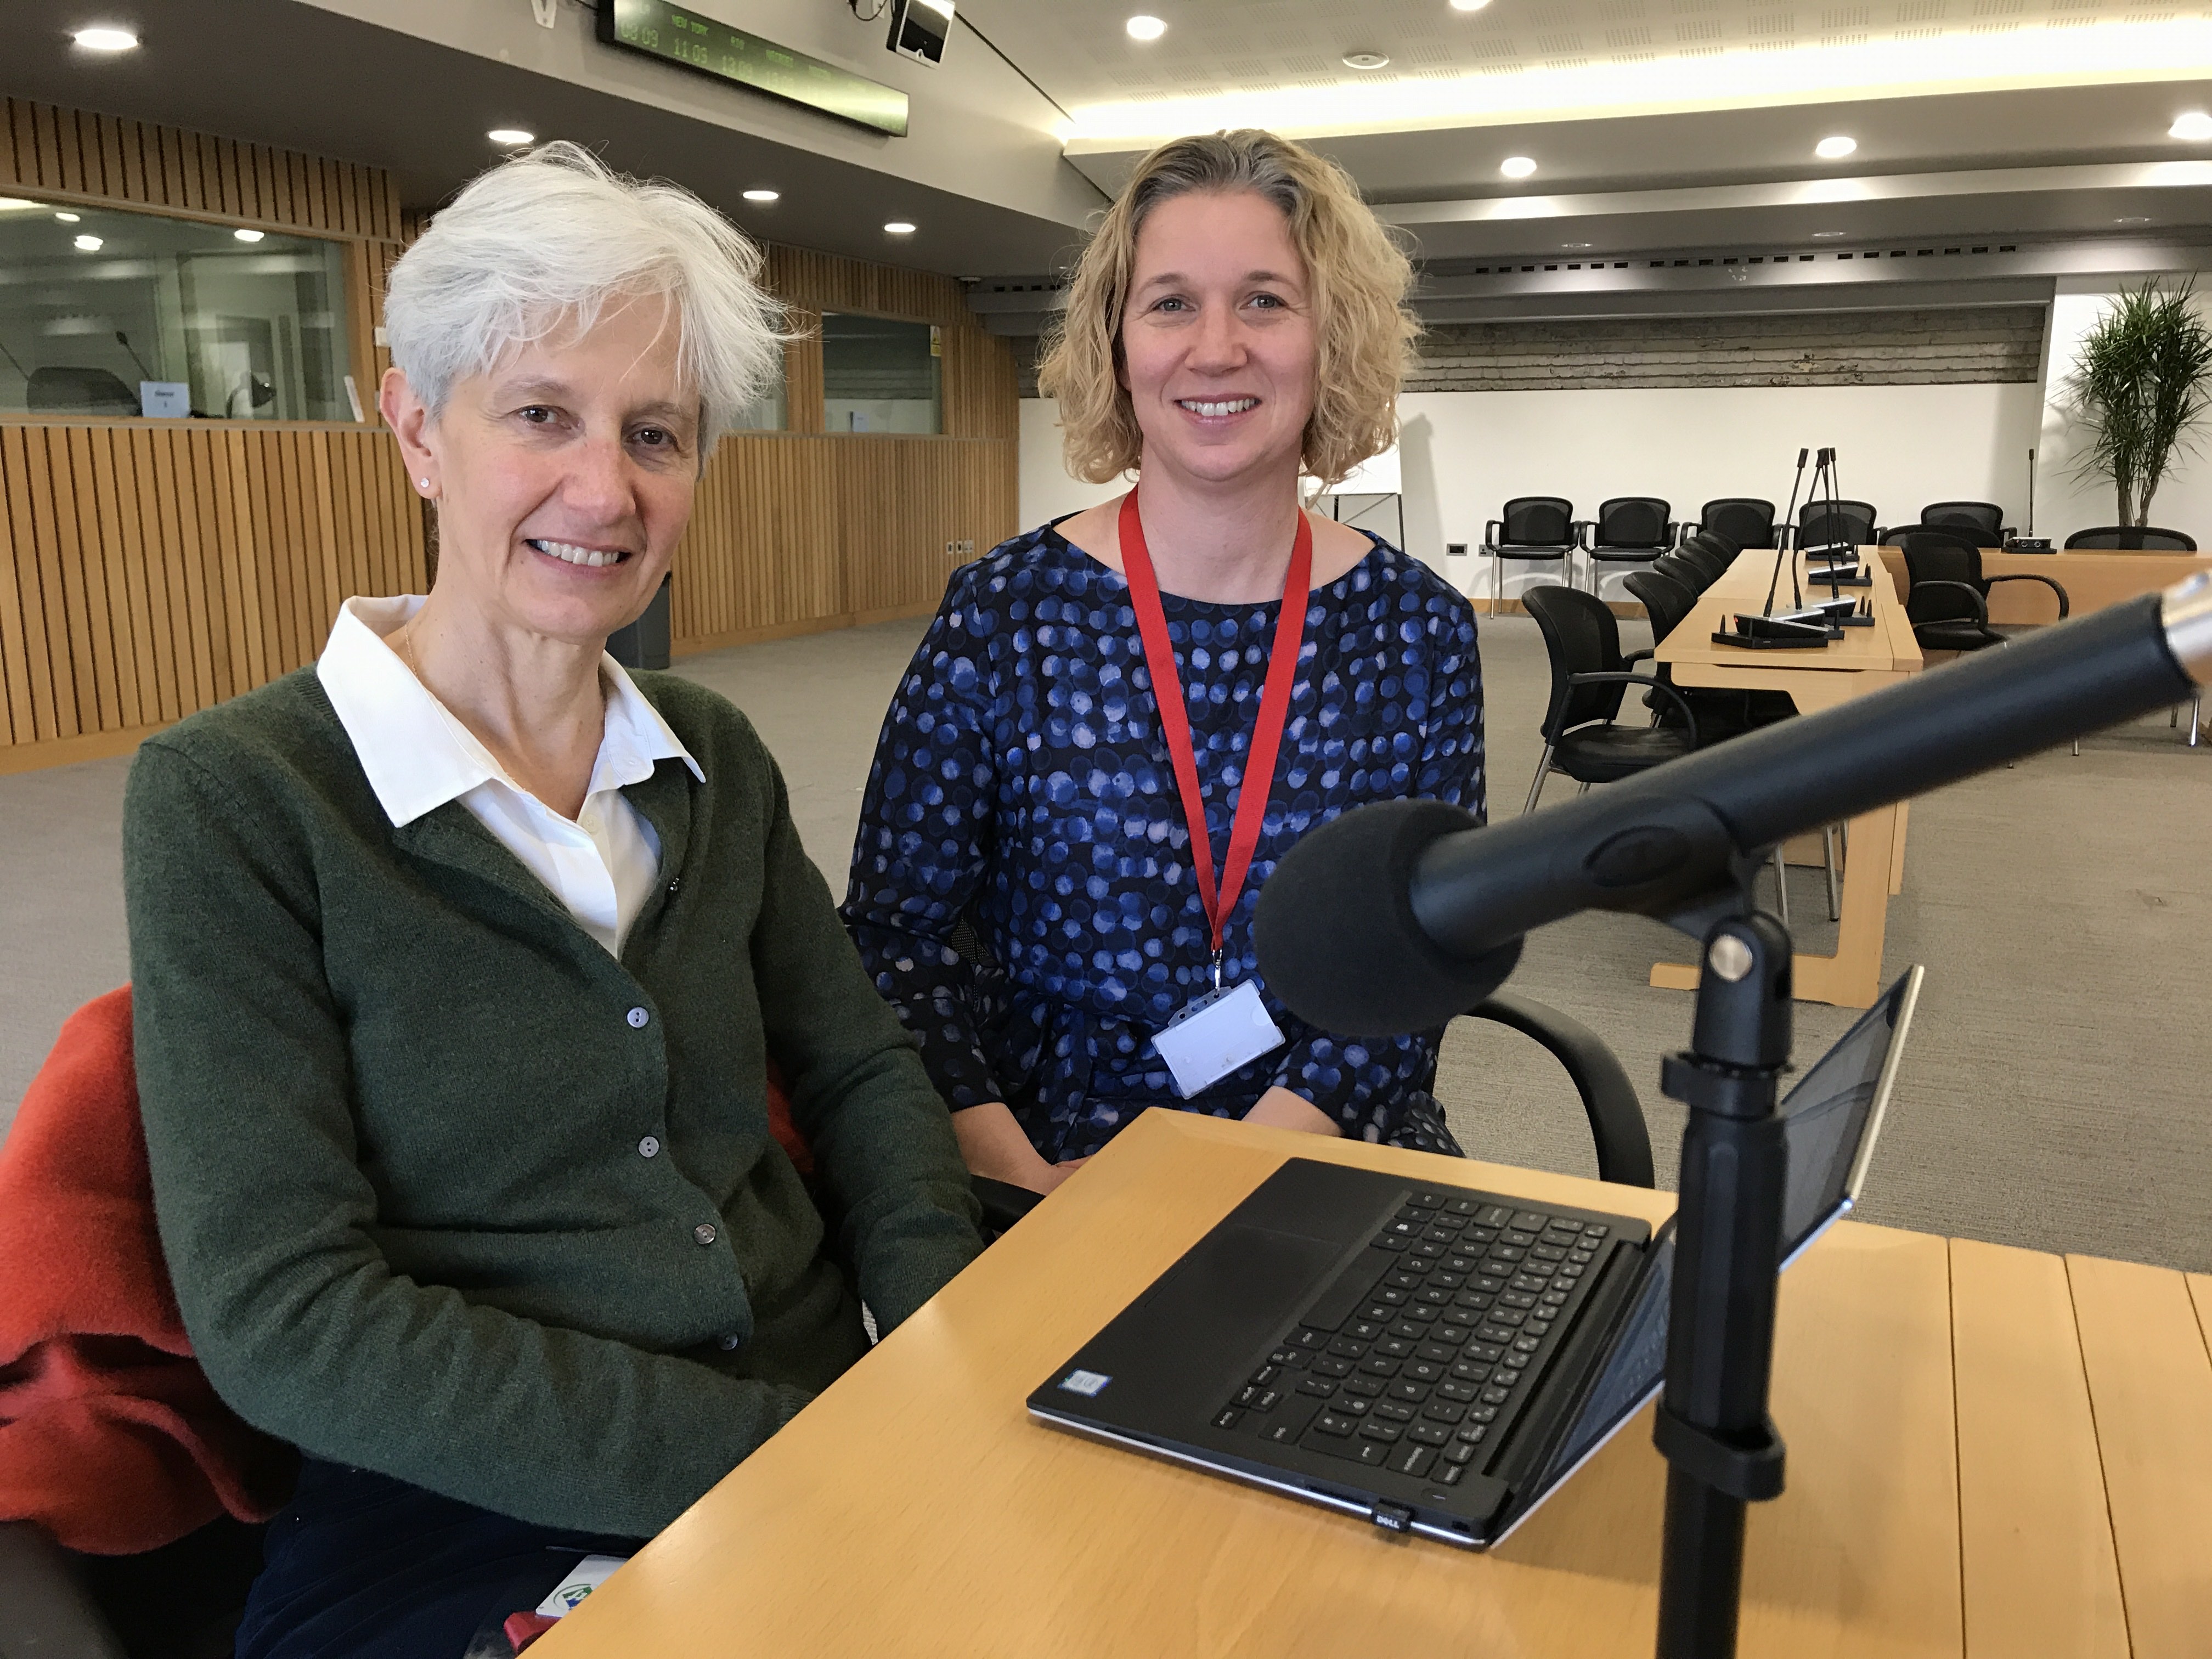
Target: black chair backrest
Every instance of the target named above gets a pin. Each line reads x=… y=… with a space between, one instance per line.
x=1707 y=556
x=2126 y=538
x=1744 y=519
x=1825 y=523
x=1537 y=521
x=1718 y=545
x=1985 y=521
x=1665 y=601
x=1632 y=521
x=1680 y=567
x=1935 y=556
x=1582 y=637
x=81 y=390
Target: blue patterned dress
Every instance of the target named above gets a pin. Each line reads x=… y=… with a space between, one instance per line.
x=1021 y=783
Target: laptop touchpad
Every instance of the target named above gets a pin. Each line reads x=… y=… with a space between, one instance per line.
x=1202 y=1321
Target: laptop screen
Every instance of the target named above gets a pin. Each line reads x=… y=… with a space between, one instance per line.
x=1827 y=1119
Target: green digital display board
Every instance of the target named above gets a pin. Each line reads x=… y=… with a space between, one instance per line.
x=675 y=35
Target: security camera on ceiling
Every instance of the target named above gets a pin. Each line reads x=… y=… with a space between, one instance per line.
x=919 y=28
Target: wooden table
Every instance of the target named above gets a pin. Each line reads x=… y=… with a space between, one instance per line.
x=2092 y=581
x=1993 y=1453
x=1865 y=659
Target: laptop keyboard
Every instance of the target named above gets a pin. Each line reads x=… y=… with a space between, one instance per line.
x=1423 y=1368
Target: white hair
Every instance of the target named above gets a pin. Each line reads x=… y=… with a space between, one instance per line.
x=544 y=241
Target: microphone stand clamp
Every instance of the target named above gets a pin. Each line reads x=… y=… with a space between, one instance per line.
x=1713 y=1425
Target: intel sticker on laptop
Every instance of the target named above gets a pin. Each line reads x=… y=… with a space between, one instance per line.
x=1086 y=1383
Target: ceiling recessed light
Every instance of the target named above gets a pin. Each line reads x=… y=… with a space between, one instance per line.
x=1141 y=27
x=88 y=244
x=1834 y=150
x=1574 y=245
x=1365 y=60
x=2196 y=126
x=1517 y=167
x=69 y=218
x=899 y=228
x=764 y=196
x=14 y=204
x=2134 y=219
x=106 y=40
x=1468 y=5
x=1826 y=235
x=511 y=135
x=248 y=235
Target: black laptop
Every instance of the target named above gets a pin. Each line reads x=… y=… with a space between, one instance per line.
x=1431 y=1357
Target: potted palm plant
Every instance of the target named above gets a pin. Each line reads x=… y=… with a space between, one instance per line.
x=2142 y=384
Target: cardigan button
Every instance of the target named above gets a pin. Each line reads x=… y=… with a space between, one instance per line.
x=649 y=1146
x=638 y=1017
x=705 y=1233
x=731 y=1344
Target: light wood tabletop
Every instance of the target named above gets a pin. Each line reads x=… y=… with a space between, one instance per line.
x=1864 y=659
x=1993 y=1454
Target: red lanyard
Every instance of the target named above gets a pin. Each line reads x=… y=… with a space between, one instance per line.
x=1175 y=718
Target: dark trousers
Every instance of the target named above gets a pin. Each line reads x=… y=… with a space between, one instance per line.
x=362 y=1567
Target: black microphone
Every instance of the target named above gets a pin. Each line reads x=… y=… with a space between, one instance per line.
x=1398 y=917
x=1782 y=538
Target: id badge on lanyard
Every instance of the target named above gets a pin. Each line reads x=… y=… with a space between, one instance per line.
x=1228 y=1028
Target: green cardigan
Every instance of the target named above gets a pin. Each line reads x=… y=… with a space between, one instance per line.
x=449 y=1193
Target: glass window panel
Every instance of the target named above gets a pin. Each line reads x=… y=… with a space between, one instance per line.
x=767 y=411
x=96 y=300
x=880 y=376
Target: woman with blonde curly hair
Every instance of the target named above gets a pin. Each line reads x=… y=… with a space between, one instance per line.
x=1065 y=767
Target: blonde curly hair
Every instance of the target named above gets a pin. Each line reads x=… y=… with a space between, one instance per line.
x=1356 y=274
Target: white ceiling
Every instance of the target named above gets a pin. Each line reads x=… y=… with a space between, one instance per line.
x=1521 y=58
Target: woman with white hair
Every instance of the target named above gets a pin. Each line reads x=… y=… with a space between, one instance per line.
x=461 y=961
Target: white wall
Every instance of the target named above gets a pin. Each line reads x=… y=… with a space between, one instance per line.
x=1046 y=491
x=2065 y=503
x=1899 y=447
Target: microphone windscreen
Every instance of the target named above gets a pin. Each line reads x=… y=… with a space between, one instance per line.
x=1336 y=935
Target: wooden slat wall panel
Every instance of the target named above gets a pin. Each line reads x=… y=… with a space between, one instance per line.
x=146 y=572
x=79 y=153
x=790 y=530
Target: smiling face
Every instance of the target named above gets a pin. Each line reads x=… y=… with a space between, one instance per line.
x=564 y=478
x=1217 y=341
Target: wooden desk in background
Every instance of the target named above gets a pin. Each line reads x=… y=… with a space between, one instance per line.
x=1993 y=1453
x=2092 y=581
x=1865 y=659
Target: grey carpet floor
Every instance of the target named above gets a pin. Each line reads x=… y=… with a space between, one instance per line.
x=2053 y=1096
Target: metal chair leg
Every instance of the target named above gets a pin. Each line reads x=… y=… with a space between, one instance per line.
x=1584 y=790
x=1781 y=887
x=1536 y=784
x=2196 y=714
x=1828 y=857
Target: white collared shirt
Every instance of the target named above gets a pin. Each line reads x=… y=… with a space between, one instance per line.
x=602 y=866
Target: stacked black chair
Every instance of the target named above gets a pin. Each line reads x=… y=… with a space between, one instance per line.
x=1628 y=530
x=1538 y=528
x=2132 y=538
x=1982 y=520
x=1744 y=519
x=1589 y=676
x=1711 y=554
x=1680 y=567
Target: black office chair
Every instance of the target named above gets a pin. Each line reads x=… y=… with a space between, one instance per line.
x=1589 y=676
x=2132 y=538
x=1679 y=568
x=63 y=390
x=1710 y=555
x=1628 y=530
x=1947 y=595
x=1837 y=524
x=1538 y=528
x=1982 y=521
x=1744 y=519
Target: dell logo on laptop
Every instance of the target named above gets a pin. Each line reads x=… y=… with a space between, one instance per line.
x=1086 y=1383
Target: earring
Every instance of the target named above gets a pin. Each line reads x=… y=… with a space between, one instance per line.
x=425 y=482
